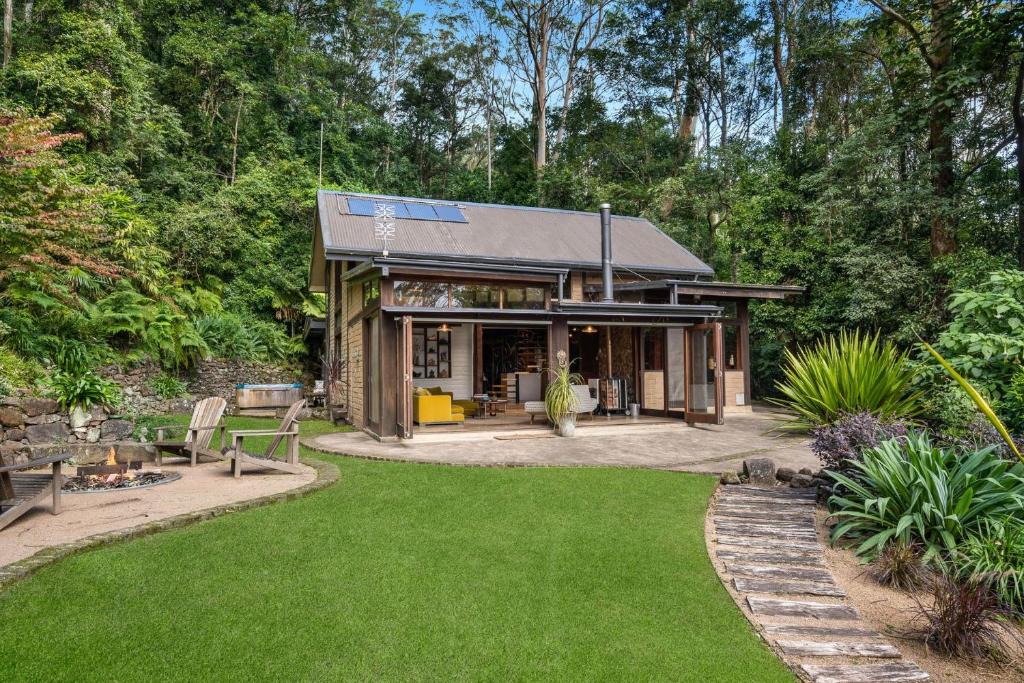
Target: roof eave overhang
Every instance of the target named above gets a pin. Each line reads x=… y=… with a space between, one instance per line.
x=444 y=260
x=736 y=290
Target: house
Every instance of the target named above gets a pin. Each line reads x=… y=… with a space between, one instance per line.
x=471 y=299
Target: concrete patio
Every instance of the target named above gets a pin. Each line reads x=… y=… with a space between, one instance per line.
x=598 y=443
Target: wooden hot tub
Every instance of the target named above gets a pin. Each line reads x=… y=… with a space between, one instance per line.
x=267 y=395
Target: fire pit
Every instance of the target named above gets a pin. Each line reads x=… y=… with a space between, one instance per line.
x=113 y=475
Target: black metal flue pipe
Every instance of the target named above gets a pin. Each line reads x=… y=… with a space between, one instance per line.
x=607 y=294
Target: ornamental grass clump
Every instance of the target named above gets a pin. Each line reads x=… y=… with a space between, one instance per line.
x=966 y=619
x=899 y=565
x=847 y=374
x=995 y=552
x=912 y=491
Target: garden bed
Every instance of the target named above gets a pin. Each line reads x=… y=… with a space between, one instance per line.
x=894 y=613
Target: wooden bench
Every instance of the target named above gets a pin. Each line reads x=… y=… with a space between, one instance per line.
x=21 y=491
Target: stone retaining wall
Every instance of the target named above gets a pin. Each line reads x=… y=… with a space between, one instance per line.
x=27 y=422
x=209 y=378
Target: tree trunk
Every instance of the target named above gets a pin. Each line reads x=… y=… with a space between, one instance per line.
x=779 y=62
x=940 y=139
x=540 y=154
x=8 y=30
x=1018 y=127
x=234 y=138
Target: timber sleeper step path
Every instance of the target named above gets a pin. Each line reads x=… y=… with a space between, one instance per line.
x=768 y=550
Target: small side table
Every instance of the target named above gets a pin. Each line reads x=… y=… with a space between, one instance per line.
x=497 y=405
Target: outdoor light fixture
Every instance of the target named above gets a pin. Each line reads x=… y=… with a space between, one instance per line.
x=589 y=329
x=444 y=328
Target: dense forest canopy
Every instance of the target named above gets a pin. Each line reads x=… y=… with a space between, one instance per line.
x=159 y=158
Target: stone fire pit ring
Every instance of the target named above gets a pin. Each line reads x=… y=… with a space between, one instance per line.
x=168 y=478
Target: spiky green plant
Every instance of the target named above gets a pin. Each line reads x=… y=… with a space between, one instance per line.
x=844 y=375
x=912 y=491
x=560 y=399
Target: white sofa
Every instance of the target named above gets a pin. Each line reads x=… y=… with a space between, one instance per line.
x=587 y=403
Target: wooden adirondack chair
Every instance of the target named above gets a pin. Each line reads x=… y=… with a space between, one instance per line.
x=207 y=417
x=19 y=493
x=289 y=429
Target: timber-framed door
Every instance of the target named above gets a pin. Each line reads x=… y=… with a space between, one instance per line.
x=405 y=377
x=705 y=390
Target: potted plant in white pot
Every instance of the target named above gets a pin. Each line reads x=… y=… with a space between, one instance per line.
x=560 y=400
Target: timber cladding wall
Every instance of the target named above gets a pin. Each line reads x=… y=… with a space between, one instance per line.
x=354 y=351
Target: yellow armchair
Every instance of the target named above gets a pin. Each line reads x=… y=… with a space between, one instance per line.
x=428 y=409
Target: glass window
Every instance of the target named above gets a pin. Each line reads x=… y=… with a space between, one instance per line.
x=475 y=296
x=424 y=294
x=731 y=341
x=524 y=297
x=371 y=292
x=653 y=348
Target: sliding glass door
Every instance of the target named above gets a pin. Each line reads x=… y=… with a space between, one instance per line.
x=705 y=390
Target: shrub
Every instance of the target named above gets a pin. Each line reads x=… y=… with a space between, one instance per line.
x=984 y=340
x=950 y=410
x=83 y=390
x=167 y=386
x=847 y=437
x=1011 y=407
x=899 y=565
x=848 y=374
x=965 y=619
x=910 y=490
x=16 y=372
x=996 y=552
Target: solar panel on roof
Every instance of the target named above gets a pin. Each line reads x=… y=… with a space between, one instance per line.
x=423 y=212
x=452 y=214
x=358 y=206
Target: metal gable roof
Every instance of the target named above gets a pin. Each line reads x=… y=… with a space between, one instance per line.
x=506 y=233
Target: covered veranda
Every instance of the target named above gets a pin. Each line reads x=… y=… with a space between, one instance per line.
x=667 y=359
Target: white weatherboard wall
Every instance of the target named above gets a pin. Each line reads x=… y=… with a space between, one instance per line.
x=461 y=381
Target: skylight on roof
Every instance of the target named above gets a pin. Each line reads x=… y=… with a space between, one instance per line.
x=417 y=211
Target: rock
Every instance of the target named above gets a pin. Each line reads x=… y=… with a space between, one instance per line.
x=824 y=493
x=79 y=418
x=11 y=417
x=92 y=435
x=12 y=452
x=760 y=471
x=729 y=477
x=807 y=470
x=10 y=401
x=785 y=473
x=15 y=434
x=801 y=481
x=47 y=433
x=117 y=429
x=98 y=414
x=39 y=406
x=45 y=418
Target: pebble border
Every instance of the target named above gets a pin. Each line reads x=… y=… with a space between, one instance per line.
x=326 y=475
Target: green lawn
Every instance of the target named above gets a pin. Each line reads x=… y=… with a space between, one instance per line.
x=402 y=572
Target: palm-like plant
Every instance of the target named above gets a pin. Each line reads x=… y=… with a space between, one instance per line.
x=560 y=400
x=844 y=375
